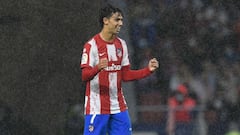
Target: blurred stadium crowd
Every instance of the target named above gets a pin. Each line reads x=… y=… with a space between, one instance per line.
x=197 y=43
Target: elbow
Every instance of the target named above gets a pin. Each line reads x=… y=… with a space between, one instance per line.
x=85 y=77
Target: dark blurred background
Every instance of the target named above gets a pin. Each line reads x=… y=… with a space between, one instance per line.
x=40 y=48
x=196 y=41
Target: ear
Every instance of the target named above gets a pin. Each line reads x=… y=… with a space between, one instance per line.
x=105 y=20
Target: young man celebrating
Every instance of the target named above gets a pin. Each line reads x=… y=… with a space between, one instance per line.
x=105 y=64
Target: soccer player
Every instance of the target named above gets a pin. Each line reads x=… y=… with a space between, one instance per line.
x=105 y=64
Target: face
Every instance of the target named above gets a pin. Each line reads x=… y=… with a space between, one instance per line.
x=114 y=23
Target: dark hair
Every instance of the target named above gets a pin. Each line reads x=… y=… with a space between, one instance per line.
x=107 y=12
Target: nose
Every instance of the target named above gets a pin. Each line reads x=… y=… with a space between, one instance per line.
x=120 y=23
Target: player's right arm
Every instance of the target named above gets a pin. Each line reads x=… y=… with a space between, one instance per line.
x=88 y=66
x=89 y=72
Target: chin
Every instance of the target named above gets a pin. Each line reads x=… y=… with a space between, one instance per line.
x=117 y=32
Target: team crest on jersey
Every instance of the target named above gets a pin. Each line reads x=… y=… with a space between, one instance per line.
x=91 y=128
x=119 y=52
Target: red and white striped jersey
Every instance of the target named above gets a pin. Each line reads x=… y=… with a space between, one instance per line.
x=104 y=94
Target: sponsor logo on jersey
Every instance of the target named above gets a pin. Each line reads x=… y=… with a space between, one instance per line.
x=119 y=52
x=113 y=68
x=101 y=54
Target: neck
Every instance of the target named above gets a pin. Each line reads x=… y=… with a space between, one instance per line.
x=106 y=36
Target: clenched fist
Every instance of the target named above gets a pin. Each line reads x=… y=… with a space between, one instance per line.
x=153 y=64
x=102 y=63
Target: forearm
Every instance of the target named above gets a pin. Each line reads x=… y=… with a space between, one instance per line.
x=130 y=75
x=88 y=73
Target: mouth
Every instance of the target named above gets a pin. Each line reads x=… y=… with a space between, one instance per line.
x=118 y=29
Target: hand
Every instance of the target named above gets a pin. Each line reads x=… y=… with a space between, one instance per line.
x=153 y=64
x=102 y=63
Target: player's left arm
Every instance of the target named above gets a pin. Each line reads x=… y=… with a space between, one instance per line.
x=153 y=64
x=130 y=75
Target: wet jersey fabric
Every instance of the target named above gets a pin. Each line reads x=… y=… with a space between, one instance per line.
x=104 y=94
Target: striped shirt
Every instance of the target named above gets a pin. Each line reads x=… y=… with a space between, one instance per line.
x=104 y=94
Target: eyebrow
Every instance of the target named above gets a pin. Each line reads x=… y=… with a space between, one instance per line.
x=119 y=18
